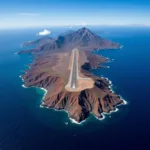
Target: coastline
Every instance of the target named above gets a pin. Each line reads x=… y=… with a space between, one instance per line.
x=45 y=92
x=71 y=119
x=123 y=102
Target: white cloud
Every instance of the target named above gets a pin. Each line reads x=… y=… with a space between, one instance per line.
x=45 y=32
x=28 y=14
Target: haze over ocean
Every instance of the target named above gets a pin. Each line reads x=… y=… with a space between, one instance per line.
x=14 y=14
x=26 y=126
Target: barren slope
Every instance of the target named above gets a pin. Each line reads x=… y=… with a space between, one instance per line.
x=50 y=70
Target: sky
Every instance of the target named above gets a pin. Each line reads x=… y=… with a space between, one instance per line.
x=31 y=13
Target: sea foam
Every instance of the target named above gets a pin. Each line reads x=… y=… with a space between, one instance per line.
x=73 y=120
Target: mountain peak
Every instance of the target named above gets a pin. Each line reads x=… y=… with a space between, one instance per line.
x=84 y=29
x=84 y=32
x=82 y=38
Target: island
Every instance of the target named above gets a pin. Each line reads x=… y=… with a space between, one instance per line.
x=62 y=67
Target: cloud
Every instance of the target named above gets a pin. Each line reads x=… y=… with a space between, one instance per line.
x=45 y=32
x=28 y=14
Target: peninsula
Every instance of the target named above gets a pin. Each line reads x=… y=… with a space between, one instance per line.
x=62 y=67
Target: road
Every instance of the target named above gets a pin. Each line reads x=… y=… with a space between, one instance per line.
x=74 y=71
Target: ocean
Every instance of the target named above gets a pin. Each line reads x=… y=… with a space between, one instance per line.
x=26 y=126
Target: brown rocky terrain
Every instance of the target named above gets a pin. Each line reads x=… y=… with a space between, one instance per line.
x=83 y=39
x=50 y=71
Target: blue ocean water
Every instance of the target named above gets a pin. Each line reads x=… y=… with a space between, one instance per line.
x=26 y=126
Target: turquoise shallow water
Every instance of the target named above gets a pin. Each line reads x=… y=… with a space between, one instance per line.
x=24 y=125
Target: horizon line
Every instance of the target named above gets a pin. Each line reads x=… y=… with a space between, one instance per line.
x=72 y=26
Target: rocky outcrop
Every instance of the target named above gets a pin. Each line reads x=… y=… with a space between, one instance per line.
x=83 y=39
x=78 y=104
x=40 y=42
x=94 y=61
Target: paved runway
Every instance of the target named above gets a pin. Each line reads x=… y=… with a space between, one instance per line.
x=74 y=70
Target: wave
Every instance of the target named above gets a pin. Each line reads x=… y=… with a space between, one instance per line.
x=71 y=119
